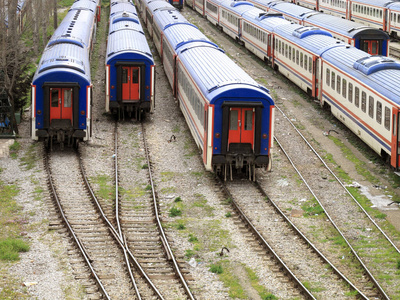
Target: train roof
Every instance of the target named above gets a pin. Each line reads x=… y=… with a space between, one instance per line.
x=238 y=7
x=267 y=3
x=85 y=5
x=222 y=75
x=124 y=17
x=117 y=7
x=266 y=20
x=166 y=18
x=186 y=35
x=311 y=38
x=70 y=29
x=127 y=41
x=376 y=3
x=125 y=25
x=293 y=10
x=67 y=58
x=378 y=72
x=345 y=27
x=394 y=6
x=159 y=5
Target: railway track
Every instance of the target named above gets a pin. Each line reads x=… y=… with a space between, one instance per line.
x=91 y=234
x=140 y=221
x=357 y=228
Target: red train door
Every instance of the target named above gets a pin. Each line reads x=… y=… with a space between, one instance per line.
x=130 y=83
x=61 y=103
x=241 y=126
x=395 y=155
x=371 y=47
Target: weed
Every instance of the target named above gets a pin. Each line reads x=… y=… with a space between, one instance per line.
x=216 y=269
x=228 y=214
x=14 y=148
x=178 y=199
x=189 y=253
x=180 y=227
x=174 y=212
x=148 y=187
x=10 y=248
x=145 y=167
x=193 y=239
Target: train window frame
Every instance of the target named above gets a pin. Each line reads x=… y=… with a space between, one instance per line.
x=290 y=52
x=286 y=50
x=338 y=84
x=333 y=80
x=294 y=54
x=310 y=64
x=387 y=118
x=364 y=101
x=357 y=96
x=371 y=102
x=344 y=88
x=379 y=112
x=328 y=77
x=301 y=59
x=305 y=64
x=297 y=57
x=350 y=93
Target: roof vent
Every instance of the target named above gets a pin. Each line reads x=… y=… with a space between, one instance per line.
x=371 y=64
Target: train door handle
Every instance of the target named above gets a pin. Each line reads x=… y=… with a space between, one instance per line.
x=240 y=124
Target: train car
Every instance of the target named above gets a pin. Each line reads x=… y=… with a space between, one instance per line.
x=394 y=23
x=153 y=6
x=130 y=68
x=360 y=89
x=230 y=16
x=363 y=93
x=229 y=115
x=337 y=8
x=162 y=22
x=368 y=39
x=211 y=12
x=257 y=32
x=369 y=12
x=61 y=86
x=92 y=5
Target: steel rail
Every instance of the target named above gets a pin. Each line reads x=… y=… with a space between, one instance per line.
x=368 y=272
x=116 y=235
x=163 y=236
x=71 y=230
x=264 y=242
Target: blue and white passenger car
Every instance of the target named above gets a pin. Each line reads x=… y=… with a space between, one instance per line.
x=130 y=67
x=61 y=86
x=363 y=93
x=229 y=114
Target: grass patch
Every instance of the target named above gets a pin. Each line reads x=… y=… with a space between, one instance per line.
x=11 y=247
x=14 y=149
x=312 y=208
x=30 y=158
x=175 y=212
x=105 y=188
x=261 y=290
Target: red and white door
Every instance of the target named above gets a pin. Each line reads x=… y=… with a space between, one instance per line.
x=61 y=103
x=241 y=126
x=371 y=47
x=130 y=83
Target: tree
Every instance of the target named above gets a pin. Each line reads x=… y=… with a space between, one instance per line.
x=19 y=46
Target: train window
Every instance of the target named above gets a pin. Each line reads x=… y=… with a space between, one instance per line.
x=380 y=13
x=387 y=118
x=124 y=76
x=280 y=47
x=293 y=56
x=310 y=64
x=338 y=84
x=135 y=75
x=333 y=80
x=344 y=88
x=233 y=120
x=301 y=59
x=248 y=120
x=54 y=97
x=286 y=50
x=290 y=52
x=67 y=97
x=379 y=112
x=371 y=106
x=305 y=62
x=297 y=56
x=350 y=96
x=398 y=18
x=328 y=77
x=357 y=97
x=363 y=101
